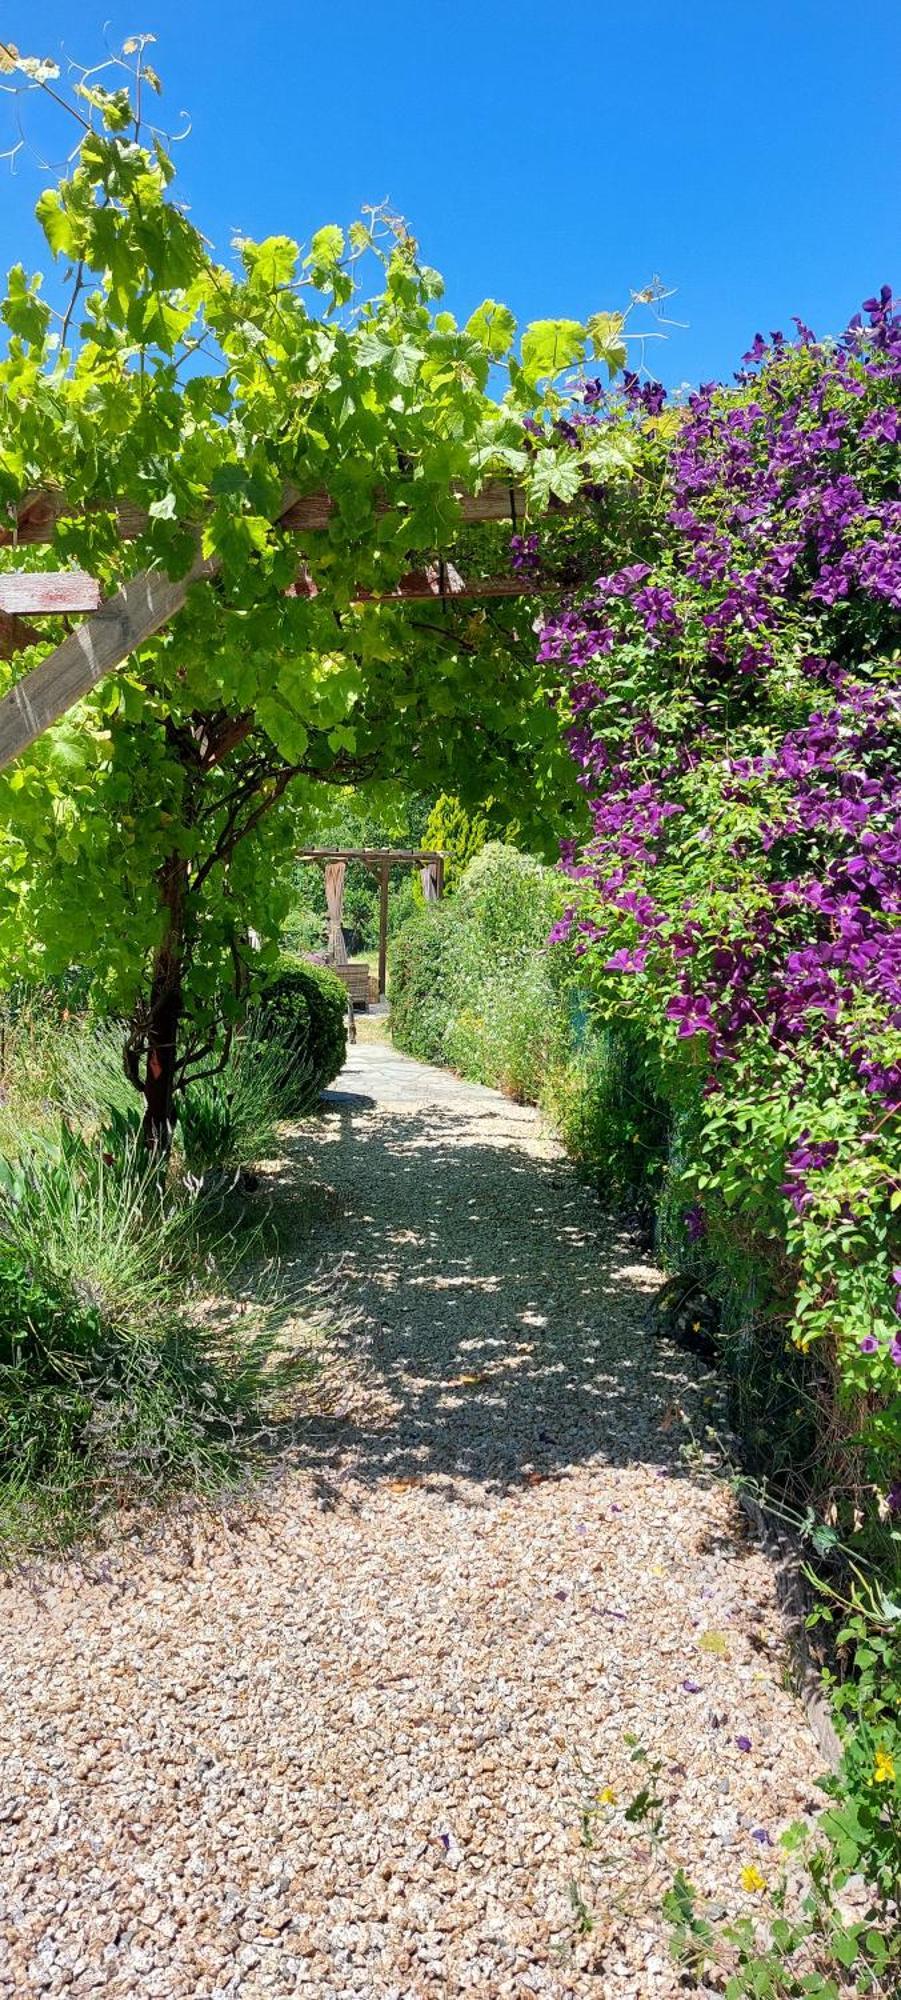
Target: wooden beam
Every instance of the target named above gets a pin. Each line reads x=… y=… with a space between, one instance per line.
x=48 y=592
x=438 y=579
x=141 y=608
x=81 y=660
x=372 y=857
x=309 y=513
x=383 y=929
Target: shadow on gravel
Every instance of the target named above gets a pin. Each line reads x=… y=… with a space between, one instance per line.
x=497 y=1321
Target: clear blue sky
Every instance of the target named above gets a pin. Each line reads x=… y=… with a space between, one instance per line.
x=550 y=155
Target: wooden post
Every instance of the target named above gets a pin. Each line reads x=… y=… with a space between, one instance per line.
x=383 y=928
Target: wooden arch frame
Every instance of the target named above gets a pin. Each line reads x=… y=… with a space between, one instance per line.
x=380 y=860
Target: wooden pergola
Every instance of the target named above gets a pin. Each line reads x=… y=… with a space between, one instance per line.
x=118 y=625
x=380 y=860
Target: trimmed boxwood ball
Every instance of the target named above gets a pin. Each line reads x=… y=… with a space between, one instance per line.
x=304 y=1007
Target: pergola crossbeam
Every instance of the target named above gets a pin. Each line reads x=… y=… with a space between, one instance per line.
x=48 y=593
x=309 y=513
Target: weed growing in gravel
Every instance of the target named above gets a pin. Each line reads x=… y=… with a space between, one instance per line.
x=598 y=1812
x=776 y=1951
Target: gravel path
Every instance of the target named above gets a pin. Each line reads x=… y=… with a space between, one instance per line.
x=374 y=1731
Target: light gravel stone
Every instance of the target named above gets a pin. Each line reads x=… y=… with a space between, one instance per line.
x=341 y=1738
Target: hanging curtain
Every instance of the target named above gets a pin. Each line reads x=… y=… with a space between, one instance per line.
x=429 y=877
x=335 y=872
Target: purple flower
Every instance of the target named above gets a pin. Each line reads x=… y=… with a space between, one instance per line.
x=894 y=1353
x=743 y=1742
x=760 y=1833
x=691 y=1687
x=869 y=1344
x=695 y=1222
x=893 y=1496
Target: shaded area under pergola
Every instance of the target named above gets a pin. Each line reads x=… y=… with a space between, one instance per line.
x=380 y=860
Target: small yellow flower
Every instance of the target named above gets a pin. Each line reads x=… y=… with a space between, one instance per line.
x=607 y=1797
x=884 y=1768
x=752 y=1880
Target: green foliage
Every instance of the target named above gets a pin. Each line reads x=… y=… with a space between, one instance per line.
x=457 y=834
x=421 y=964
x=469 y=983
x=603 y=1101
x=508 y=902
x=303 y=1013
x=863 y=1822
x=89 y=1080
x=782 y=1947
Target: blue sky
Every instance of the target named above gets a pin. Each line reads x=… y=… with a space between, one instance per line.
x=550 y=155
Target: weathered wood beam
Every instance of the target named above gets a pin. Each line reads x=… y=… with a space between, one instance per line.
x=48 y=592
x=310 y=513
x=372 y=856
x=122 y=624
x=438 y=579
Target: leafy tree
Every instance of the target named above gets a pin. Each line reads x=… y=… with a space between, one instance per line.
x=152 y=830
x=457 y=834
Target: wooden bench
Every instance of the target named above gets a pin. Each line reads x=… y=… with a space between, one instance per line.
x=356 y=979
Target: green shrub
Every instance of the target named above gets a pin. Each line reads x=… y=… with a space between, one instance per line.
x=304 y=1011
x=306 y=929
x=507 y=903
x=602 y=1100
x=470 y=982
x=457 y=834
x=421 y=982
x=508 y=1033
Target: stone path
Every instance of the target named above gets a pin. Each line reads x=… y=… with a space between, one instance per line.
x=375 y=1731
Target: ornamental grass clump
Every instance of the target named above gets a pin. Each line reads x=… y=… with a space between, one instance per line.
x=116 y=1387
